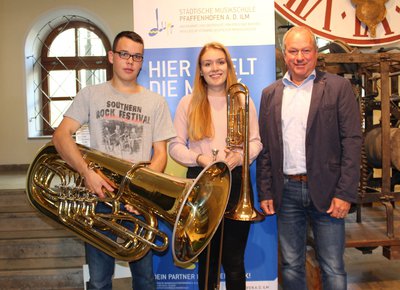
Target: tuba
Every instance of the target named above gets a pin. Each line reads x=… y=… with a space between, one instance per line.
x=194 y=207
x=238 y=137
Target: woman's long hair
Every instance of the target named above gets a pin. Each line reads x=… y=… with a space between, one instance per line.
x=199 y=119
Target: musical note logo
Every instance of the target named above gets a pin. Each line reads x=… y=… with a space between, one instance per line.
x=161 y=26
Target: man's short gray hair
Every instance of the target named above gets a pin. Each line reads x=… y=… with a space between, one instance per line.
x=299 y=29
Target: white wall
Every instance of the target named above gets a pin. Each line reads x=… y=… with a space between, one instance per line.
x=17 y=17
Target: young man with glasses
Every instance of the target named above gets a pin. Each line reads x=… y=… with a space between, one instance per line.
x=116 y=111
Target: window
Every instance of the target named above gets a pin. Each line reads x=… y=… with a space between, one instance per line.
x=72 y=55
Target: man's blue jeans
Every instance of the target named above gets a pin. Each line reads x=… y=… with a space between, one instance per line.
x=295 y=213
x=101 y=267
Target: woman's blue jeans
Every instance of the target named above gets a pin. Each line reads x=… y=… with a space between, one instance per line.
x=295 y=213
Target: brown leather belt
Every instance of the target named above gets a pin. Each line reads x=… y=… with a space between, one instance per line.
x=298 y=177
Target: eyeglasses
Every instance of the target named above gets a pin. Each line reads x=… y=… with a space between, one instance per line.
x=295 y=52
x=125 y=55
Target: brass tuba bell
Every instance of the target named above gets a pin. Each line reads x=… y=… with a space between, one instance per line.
x=194 y=207
x=238 y=137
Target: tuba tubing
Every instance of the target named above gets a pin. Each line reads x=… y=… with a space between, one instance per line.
x=238 y=137
x=192 y=207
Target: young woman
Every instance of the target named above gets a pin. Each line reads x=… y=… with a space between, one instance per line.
x=201 y=126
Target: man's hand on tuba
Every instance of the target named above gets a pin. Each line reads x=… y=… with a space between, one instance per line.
x=96 y=184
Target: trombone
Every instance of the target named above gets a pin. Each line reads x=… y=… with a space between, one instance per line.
x=238 y=137
x=238 y=99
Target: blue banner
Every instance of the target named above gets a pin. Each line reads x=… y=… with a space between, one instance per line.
x=174 y=32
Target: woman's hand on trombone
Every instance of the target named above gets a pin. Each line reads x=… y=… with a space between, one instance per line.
x=233 y=158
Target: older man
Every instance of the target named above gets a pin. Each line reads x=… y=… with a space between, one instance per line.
x=308 y=170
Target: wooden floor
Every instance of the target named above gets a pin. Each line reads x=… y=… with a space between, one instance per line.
x=375 y=270
x=365 y=271
x=371 y=271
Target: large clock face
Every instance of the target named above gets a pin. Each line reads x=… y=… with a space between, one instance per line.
x=337 y=20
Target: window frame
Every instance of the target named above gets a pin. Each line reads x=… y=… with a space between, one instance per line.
x=75 y=63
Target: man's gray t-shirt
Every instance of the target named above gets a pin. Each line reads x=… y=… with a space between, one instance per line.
x=122 y=125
